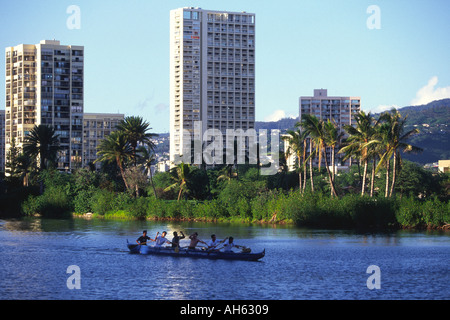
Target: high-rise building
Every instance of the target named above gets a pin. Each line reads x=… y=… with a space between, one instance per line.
x=44 y=85
x=339 y=110
x=212 y=73
x=96 y=127
x=2 y=141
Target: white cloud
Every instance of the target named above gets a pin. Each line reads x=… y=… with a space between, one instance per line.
x=277 y=115
x=384 y=107
x=429 y=93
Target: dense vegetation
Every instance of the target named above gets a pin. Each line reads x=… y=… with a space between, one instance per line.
x=361 y=198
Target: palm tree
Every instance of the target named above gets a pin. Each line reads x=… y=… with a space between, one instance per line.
x=115 y=148
x=358 y=140
x=227 y=173
x=25 y=165
x=136 y=131
x=382 y=145
x=148 y=160
x=395 y=140
x=309 y=124
x=315 y=128
x=42 y=143
x=333 y=137
x=181 y=174
x=297 y=140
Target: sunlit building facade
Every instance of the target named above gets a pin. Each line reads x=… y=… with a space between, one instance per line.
x=44 y=85
x=2 y=141
x=339 y=110
x=212 y=73
x=96 y=127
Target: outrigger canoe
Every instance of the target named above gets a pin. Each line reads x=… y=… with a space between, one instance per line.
x=197 y=253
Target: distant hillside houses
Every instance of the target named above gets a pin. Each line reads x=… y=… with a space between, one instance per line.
x=431 y=119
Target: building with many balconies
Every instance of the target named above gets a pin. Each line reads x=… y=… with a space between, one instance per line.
x=44 y=85
x=339 y=110
x=212 y=74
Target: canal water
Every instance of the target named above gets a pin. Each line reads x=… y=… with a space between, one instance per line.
x=88 y=259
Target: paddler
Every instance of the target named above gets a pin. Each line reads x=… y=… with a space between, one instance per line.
x=142 y=240
x=194 y=241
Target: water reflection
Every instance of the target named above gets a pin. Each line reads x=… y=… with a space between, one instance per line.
x=133 y=229
x=300 y=263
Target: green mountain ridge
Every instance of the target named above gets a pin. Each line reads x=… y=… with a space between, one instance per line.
x=431 y=119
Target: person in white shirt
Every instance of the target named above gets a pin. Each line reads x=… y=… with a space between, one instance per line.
x=160 y=240
x=214 y=242
x=230 y=245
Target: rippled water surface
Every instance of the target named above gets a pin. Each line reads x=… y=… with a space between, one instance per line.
x=299 y=263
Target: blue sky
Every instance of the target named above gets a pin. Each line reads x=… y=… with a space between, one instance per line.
x=300 y=46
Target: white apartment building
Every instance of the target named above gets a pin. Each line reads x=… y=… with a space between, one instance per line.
x=337 y=109
x=212 y=73
x=290 y=155
x=44 y=85
x=96 y=127
x=2 y=141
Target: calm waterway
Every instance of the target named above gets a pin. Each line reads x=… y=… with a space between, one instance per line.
x=299 y=263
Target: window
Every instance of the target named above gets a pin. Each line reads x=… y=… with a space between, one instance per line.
x=187 y=15
x=194 y=15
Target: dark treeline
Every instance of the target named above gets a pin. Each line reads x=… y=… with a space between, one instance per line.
x=366 y=196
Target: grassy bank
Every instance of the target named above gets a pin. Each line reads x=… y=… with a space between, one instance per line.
x=252 y=198
x=312 y=210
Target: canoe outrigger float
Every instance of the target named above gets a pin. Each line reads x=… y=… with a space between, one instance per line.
x=184 y=252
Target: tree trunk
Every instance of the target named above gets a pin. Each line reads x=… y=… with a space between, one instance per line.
x=122 y=173
x=386 y=191
x=310 y=166
x=394 y=173
x=179 y=194
x=333 y=190
x=151 y=181
x=137 y=190
x=363 y=187
x=299 y=171
x=332 y=162
x=304 y=176
x=372 y=180
x=359 y=171
x=304 y=165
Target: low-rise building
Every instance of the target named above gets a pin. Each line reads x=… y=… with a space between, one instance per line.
x=96 y=127
x=444 y=166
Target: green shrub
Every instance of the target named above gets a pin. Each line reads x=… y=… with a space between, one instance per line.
x=213 y=209
x=245 y=210
x=187 y=210
x=31 y=206
x=157 y=208
x=138 y=207
x=173 y=209
x=54 y=202
x=370 y=212
x=122 y=201
x=409 y=213
x=308 y=212
x=103 y=201
x=82 y=202
x=436 y=213
x=260 y=205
